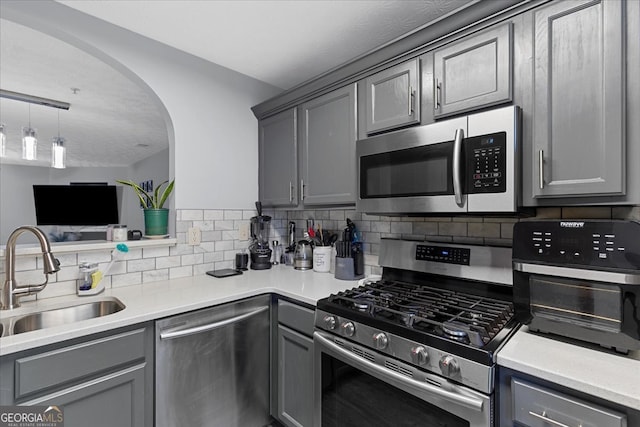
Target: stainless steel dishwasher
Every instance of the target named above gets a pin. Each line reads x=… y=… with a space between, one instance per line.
x=212 y=366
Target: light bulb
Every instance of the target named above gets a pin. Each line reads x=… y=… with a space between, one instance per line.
x=58 y=153
x=29 y=144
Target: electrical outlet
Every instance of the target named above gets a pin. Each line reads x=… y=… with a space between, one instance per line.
x=194 y=236
x=244 y=230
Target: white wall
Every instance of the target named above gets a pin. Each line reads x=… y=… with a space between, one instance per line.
x=212 y=131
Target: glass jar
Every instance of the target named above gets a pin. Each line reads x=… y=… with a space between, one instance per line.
x=119 y=233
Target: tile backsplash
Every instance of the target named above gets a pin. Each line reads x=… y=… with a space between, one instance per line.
x=220 y=241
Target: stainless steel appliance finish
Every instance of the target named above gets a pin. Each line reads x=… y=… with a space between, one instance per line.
x=579 y=279
x=212 y=366
x=465 y=164
x=423 y=336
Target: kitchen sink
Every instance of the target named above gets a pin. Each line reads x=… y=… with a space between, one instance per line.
x=66 y=315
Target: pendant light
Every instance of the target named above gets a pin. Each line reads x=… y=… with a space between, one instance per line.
x=3 y=141
x=58 y=150
x=29 y=141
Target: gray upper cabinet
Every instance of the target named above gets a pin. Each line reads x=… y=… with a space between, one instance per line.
x=473 y=72
x=578 y=113
x=392 y=97
x=328 y=137
x=278 y=164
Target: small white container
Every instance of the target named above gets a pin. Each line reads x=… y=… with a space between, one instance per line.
x=322 y=259
x=119 y=233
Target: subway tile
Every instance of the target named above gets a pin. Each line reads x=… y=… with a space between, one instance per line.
x=452 y=228
x=128 y=279
x=206 y=247
x=222 y=264
x=425 y=228
x=181 y=238
x=230 y=235
x=155 y=252
x=401 y=227
x=200 y=269
x=437 y=218
x=380 y=226
x=213 y=215
x=506 y=230
x=224 y=225
x=231 y=214
x=57 y=289
x=483 y=230
x=211 y=236
x=595 y=212
x=337 y=215
x=183 y=226
x=211 y=257
x=229 y=255
x=141 y=265
x=94 y=257
x=246 y=214
x=182 y=249
x=155 y=275
x=468 y=219
x=548 y=213
x=368 y=217
x=626 y=212
x=25 y=263
x=191 y=215
x=224 y=245
x=192 y=259
x=204 y=225
x=168 y=262
x=66 y=259
x=67 y=273
x=177 y=272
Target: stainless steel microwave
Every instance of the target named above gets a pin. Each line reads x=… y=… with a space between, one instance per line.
x=461 y=165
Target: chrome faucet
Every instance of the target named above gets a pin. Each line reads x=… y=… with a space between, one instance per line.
x=12 y=292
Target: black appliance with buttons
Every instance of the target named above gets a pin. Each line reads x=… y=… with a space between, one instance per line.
x=579 y=279
x=419 y=342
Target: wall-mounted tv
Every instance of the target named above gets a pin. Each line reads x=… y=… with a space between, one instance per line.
x=83 y=204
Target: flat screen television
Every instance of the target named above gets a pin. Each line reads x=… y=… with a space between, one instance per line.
x=76 y=204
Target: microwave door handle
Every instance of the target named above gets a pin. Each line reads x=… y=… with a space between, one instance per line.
x=457 y=166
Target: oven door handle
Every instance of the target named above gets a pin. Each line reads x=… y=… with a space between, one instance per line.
x=469 y=402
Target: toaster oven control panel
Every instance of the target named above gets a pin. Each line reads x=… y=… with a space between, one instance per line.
x=604 y=244
x=486 y=163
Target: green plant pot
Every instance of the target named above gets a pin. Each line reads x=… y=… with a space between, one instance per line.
x=156 y=222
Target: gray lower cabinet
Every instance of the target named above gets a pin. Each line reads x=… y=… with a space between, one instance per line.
x=392 y=98
x=294 y=371
x=473 y=72
x=328 y=138
x=278 y=154
x=578 y=113
x=105 y=381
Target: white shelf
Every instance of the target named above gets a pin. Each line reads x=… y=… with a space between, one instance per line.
x=89 y=245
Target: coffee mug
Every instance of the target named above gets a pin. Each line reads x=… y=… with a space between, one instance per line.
x=242 y=260
x=134 y=235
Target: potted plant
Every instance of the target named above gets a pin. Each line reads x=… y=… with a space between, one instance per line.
x=156 y=218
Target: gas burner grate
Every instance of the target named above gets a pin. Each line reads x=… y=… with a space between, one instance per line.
x=454 y=315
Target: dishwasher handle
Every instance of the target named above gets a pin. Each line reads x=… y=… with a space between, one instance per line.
x=210 y=326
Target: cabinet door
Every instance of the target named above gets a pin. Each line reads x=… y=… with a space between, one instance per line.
x=329 y=148
x=578 y=108
x=116 y=399
x=278 y=159
x=295 y=378
x=391 y=97
x=473 y=72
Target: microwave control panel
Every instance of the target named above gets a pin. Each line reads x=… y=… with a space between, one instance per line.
x=611 y=244
x=486 y=160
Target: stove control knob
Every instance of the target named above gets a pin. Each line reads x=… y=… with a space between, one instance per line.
x=380 y=341
x=419 y=355
x=449 y=366
x=330 y=322
x=348 y=328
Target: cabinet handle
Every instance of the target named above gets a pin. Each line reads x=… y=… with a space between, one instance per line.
x=541 y=168
x=290 y=192
x=436 y=95
x=210 y=326
x=302 y=189
x=411 y=100
x=547 y=419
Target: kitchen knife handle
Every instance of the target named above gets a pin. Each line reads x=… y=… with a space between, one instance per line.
x=541 y=168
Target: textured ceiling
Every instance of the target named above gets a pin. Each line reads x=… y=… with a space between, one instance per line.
x=283 y=43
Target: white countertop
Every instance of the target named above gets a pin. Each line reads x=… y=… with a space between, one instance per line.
x=165 y=298
x=589 y=369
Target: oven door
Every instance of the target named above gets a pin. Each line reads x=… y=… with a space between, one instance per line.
x=354 y=386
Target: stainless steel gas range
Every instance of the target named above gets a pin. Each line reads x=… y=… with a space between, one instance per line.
x=417 y=346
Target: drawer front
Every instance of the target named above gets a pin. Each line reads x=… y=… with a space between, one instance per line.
x=74 y=363
x=296 y=317
x=535 y=406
